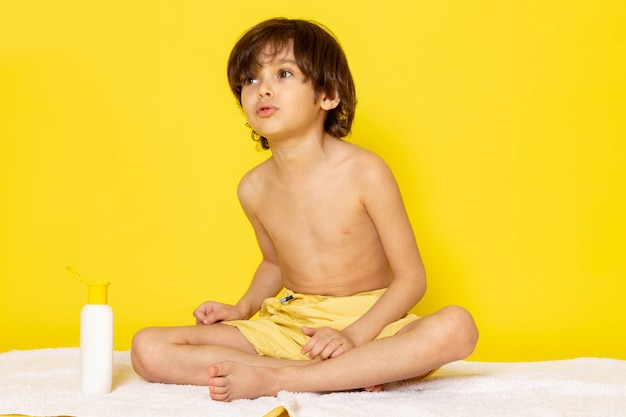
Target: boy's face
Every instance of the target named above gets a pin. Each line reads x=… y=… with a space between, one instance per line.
x=278 y=100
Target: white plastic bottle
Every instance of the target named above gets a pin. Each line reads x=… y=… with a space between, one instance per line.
x=96 y=341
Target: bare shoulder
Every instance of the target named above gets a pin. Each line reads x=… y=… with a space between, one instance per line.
x=355 y=154
x=368 y=165
x=252 y=183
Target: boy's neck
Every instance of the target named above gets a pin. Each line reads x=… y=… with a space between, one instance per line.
x=300 y=157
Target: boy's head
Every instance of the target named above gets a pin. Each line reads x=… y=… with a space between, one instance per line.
x=318 y=55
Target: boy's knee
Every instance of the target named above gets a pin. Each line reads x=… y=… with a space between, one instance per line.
x=139 y=342
x=460 y=331
x=143 y=352
x=463 y=329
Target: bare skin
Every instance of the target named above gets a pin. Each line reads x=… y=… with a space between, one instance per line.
x=329 y=220
x=230 y=380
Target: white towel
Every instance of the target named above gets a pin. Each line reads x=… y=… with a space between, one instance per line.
x=45 y=382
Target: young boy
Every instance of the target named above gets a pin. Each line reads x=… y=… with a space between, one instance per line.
x=335 y=239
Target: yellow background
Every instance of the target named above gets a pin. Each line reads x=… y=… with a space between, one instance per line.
x=121 y=149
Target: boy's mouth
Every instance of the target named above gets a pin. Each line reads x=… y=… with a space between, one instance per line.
x=265 y=110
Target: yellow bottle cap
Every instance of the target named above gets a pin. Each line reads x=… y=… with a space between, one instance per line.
x=97 y=292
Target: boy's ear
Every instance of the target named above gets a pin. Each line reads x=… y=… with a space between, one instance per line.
x=330 y=98
x=330 y=102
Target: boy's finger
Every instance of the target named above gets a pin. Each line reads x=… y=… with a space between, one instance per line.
x=306 y=348
x=209 y=318
x=309 y=331
x=337 y=352
x=311 y=349
x=332 y=349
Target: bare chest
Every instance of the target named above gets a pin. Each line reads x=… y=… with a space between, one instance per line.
x=320 y=213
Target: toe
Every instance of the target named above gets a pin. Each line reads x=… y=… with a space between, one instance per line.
x=218 y=382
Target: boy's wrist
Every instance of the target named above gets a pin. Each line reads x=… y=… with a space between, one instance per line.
x=244 y=311
x=357 y=336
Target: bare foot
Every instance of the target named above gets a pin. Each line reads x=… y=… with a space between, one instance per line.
x=230 y=381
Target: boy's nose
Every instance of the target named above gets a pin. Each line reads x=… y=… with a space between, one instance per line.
x=265 y=93
x=265 y=90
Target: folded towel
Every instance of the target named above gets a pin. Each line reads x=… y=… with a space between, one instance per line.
x=45 y=382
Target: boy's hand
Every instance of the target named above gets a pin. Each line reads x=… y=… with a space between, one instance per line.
x=325 y=342
x=211 y=312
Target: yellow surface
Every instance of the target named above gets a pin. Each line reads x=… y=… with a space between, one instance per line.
x=279 y=411
x=121 y=148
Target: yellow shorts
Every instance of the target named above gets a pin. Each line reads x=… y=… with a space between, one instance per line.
x=277 y=332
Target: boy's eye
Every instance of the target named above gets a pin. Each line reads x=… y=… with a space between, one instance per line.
x=248 y=81
x=285 y=73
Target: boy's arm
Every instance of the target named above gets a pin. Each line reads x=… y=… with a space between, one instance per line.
x=267 y=280
x=211 y=311
x=383 y=202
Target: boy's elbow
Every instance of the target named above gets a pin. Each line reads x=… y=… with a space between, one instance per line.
x=420 y=287
x=417 y=289
x=413 y=286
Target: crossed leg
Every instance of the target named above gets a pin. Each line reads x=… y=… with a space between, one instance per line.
x=445 y=336
x=181 y=355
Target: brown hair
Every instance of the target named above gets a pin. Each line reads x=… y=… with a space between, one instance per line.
x=318 y=55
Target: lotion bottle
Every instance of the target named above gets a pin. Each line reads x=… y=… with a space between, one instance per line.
x=96 y=341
